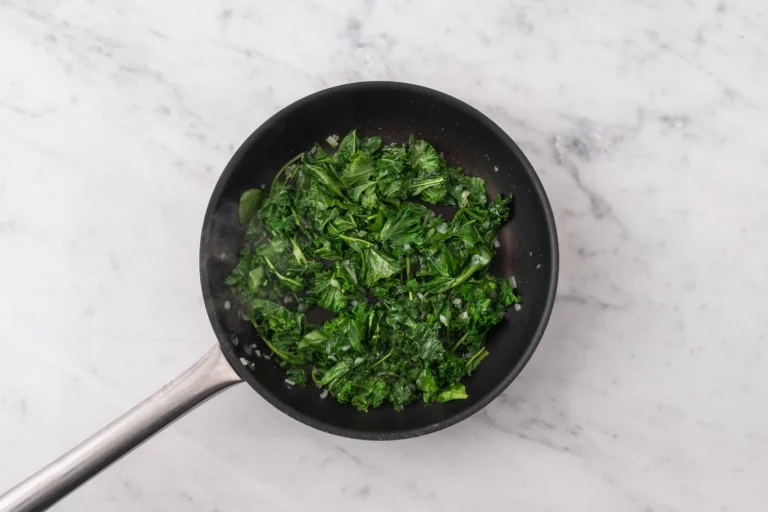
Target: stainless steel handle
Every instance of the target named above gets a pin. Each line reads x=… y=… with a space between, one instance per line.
x=208 y=376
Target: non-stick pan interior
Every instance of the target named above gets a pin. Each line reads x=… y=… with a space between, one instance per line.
x=468 y=139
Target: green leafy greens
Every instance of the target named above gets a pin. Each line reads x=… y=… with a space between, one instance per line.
x=410 y=292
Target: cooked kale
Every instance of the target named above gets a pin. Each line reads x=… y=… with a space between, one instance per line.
x=410 y=292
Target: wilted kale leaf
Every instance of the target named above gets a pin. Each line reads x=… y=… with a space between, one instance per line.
x=410 y=292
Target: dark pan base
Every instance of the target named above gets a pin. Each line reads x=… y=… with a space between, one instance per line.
x=468 y=139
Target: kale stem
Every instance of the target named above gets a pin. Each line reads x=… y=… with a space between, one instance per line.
x=480 y=353
x=383 y=358
x=351 y=239
x=461 y=340
x=297 y=252
x=281 y=276
x=295 y=216
x=427 y=182
x=279 y=353
x=283 y=168
x=408 y=273
x=475 y=216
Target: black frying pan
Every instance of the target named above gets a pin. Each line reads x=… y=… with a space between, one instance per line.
x=393 y=111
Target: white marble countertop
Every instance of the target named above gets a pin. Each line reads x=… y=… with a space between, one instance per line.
x=646 y=122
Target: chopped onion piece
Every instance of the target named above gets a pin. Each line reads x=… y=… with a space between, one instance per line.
x=332 y=140
x=324 y=394
x=226 y=305
x=290 y=382
x=443 y=320
x=456 y=301
x=518 y=307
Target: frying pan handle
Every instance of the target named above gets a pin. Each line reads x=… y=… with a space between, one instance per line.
x=208 y=376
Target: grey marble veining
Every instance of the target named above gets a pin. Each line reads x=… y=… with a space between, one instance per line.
x=645 y=121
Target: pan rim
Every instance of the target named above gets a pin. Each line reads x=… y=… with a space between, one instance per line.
x=480 y=402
